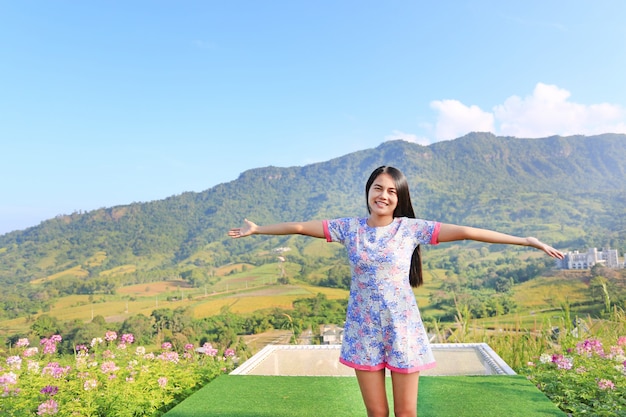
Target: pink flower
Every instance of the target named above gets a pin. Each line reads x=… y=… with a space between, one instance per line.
x=56 y=338
x=50 y=348
x=81 y=348
x=188 y=346
x=209 y=350
x=169 y=356
x=562 y=362
x=14 y=362
x=166 y=346
x=8 y=378
x=589 y=347
x=107 y=354
x=109 y=367
x=48 y=407
x=162 y=382
x=621 y=341
x=23 y=342
x=605 y=384
x=55 y=370
x=49 y=390
x=110 y=336
x=31 y=351
x=229 y=353
x=7 y=382
x=127 y=338
x=616 y=351
x=49 y=345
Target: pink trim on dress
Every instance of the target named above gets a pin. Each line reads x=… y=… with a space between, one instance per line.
x=362 y=367
x=434 y=240
x=326 y=232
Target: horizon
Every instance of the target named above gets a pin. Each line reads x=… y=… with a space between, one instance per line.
x=110 y=104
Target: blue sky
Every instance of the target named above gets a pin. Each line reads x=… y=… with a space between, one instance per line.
x=105 y=103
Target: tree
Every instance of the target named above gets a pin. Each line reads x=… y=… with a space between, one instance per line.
x=100 y=321
x=139 y=326
x=45 y=326
x=503 y=284
x=83 y=333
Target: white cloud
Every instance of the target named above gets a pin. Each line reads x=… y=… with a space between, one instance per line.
x=409 y=137
x=455 y=119
x=548 y=111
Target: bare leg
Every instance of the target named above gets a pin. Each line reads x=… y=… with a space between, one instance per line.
x=405 y=394
x=372 y=384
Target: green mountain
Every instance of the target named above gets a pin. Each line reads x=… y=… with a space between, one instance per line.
x=569 y=191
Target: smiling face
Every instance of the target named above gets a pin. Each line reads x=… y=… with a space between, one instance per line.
x=382 y=200
x=387 y=196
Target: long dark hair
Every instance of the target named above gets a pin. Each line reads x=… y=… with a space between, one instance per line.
x=403 y=209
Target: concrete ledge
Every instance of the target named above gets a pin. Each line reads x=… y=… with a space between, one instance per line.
x=323 y=360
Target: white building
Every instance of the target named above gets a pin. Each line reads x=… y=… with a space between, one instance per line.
x=576 y=260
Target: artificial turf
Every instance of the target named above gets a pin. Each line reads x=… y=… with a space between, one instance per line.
x=295 y=396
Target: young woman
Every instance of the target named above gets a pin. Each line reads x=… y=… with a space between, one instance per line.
x=383 y=328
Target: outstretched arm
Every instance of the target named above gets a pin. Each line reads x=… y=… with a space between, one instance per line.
x=451 y=232
x=312 y=228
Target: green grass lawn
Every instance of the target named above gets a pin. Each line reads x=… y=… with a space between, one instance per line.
x=291 y=396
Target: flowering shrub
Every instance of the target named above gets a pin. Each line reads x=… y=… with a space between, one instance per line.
x=585 y=380
x=107 y=378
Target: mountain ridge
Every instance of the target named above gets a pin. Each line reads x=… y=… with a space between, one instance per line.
x=480 y=179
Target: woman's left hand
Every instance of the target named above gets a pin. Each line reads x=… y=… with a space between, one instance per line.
x=536 y=243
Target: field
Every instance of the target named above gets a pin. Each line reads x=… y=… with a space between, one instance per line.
x=245 y=289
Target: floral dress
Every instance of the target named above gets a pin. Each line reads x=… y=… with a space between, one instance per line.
x=383 y=326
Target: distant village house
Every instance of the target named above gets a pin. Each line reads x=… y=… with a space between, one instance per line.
x=331 y=334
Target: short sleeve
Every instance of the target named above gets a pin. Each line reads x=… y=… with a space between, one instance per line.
x=423 y=232
x=336 y=230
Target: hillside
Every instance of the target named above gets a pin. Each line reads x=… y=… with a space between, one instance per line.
x=568 y=190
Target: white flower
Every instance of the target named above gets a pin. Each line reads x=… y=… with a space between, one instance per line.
x=33 y=367
x=90 y=384
x=620 y=358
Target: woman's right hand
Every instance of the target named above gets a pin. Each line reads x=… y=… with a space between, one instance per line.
x=247 y=229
